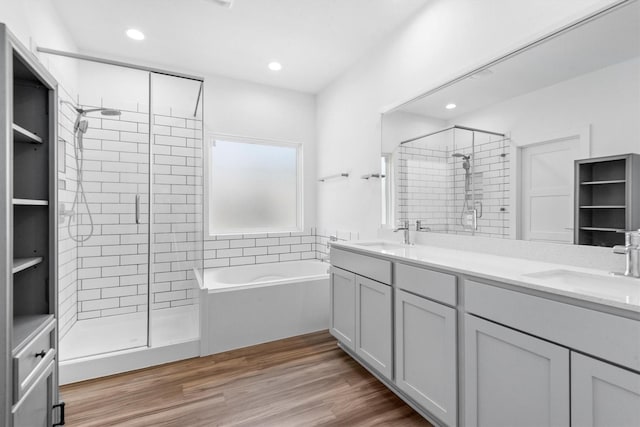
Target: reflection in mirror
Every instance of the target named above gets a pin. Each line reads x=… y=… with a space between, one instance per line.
x=498 y=152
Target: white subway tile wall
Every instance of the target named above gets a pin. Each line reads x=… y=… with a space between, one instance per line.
x=490 y=185
x=67 y=248
x=112 y=264
x=177 y=210
x=431 y=187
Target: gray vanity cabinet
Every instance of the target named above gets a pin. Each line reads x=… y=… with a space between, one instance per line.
x=602 y=394
x=513 y=379
x=361 y=316
x=342 y=322
x=425 y=351
x=373 y=324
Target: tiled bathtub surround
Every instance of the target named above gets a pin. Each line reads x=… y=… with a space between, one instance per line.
x=225 y=251
x=324 y=237
x=230 y=250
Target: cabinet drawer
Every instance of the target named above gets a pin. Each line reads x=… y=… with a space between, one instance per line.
x=373 y=268
x=29 y=362
x=427 y=283
x=604 y=335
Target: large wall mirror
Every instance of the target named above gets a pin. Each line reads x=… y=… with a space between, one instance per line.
x=538 y=145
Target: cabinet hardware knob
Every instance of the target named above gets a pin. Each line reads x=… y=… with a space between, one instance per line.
x=41 y=354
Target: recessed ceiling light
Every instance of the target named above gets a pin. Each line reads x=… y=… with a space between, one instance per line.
x=135 y=34
x=275 y=66
x=450 y=106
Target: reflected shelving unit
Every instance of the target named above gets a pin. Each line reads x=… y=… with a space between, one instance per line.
x=28 y=121
x=607 y=199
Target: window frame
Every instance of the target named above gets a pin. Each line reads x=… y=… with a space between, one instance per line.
x=211 y=139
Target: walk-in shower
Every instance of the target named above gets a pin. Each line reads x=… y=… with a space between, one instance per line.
x=130 y=233
x=454 y=180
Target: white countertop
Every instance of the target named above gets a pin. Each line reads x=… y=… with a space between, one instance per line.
x=620 y=292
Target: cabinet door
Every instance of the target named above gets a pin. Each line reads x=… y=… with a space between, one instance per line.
x=34 y=409
x=373 y=324
x=343 y=306
x=426 y=354
x=513 y=379
x=603 y=394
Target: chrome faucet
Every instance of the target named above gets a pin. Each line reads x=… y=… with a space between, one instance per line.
x=420 y=227
x=631 y=250
x=404 y=226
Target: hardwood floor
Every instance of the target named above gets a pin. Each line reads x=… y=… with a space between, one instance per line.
x=300 y=381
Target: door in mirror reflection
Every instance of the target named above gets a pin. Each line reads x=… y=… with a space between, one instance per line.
x=547 y=190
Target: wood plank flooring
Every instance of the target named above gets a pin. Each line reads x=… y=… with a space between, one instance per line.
x=300 y=381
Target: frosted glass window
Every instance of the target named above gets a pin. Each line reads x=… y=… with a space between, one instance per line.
x=255 y=187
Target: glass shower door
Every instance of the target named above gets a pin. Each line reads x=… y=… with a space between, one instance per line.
x=176 y=209
x=104 y=223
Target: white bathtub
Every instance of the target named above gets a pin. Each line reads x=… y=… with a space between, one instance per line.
x=253 y=304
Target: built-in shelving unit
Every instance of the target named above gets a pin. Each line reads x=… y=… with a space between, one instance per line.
x=28 y=296
x=605 y=203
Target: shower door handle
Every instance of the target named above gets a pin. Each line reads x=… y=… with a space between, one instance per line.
x=137 y=209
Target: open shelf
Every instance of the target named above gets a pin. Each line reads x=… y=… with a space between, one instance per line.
x=605 y=202
x=613 y=230
x=30 y=202
x=611 y=181
x=25 y=328
x=20 y=264
x=20 y=134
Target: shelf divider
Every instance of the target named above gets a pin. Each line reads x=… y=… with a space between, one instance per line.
x=30 y=202
x=20 y=264
x=20 y=134
x=615 y=230
x=612 y=181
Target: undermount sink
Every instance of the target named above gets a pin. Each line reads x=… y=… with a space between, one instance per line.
x=607 y=286
x=384 y=246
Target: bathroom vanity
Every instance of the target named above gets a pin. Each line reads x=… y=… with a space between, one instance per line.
x=473 y=339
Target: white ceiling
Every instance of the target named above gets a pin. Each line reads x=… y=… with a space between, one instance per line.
x=608 y=40
x=315 y=40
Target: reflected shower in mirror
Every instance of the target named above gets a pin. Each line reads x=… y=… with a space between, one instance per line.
x=496 y=151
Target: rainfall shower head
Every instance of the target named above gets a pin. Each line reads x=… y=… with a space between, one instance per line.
x=465 y=157
x=82 y=112
x=465 y=164
x=103 y=111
